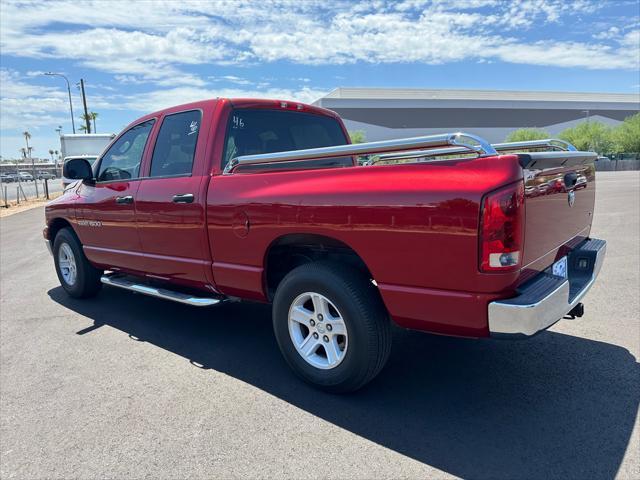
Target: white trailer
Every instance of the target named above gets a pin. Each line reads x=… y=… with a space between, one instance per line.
x=83 y=145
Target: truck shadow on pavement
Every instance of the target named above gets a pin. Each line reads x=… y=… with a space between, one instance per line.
x=553 y=406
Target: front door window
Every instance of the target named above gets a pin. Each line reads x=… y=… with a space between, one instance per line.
x=122 y=161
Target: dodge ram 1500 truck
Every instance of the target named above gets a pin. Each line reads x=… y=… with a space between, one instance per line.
x=268 y=201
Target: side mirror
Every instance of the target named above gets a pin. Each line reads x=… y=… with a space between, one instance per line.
x=77 y=169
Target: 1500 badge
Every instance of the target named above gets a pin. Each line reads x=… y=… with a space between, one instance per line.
x=90 y=223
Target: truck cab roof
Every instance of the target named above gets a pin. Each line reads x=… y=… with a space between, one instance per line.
x=238 y=102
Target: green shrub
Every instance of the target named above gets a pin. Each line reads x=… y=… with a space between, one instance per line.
x=526 y=134
x=358 y=136
x=626 y=136
x=590 y=136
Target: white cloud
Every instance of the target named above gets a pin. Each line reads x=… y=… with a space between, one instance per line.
x=231 y=79
x=160 y=46
x=40 y=109
x=568 y=54
x=29 y=106
x=150 y=56
x=612 y=32
x=159 y=99
x=156 y=44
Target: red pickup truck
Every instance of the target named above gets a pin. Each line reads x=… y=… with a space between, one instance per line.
x=263 y=200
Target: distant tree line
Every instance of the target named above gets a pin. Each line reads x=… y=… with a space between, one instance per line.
x=592 y=136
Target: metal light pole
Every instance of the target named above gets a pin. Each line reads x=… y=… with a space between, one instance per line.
x=53 y=74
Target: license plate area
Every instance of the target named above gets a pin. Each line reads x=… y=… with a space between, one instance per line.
x=559 y=268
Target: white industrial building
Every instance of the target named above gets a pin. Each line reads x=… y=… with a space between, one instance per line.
x=385 y=113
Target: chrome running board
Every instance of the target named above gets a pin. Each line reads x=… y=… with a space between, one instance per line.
x=121 y=281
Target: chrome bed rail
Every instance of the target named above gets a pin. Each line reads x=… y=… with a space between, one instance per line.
x=554 y=143
x=427 y=147
x=462 y=141
x=549 y=144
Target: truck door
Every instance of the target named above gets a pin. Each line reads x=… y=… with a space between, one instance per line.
x=170 y=205
x=106 y=215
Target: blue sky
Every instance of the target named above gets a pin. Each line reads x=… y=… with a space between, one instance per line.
x=137 y=57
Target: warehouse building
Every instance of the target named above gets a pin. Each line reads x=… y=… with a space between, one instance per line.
x=385 y=113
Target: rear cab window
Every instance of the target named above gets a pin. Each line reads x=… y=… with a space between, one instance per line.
x=255 y=131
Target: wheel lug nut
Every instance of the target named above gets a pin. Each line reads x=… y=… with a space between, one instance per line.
x=320 y=317
x=312 y=323
x=315 y=335
x=325 y=338
x=329 y=327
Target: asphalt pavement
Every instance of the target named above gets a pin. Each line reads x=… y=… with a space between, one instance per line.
x=126 y=386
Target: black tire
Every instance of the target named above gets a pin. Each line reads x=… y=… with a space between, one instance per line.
x=364 y=314
x=87 y=277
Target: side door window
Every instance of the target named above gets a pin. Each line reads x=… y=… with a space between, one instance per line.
x=122 y=161
x=175 y=146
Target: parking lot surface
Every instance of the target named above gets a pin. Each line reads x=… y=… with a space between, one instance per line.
x=126 y=386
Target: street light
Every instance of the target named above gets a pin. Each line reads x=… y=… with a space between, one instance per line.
x=53 y=74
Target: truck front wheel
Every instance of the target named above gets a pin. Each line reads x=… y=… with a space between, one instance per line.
x=331 y=326
x=77 y=276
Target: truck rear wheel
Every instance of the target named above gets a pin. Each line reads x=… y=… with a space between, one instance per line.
x=331 y=326
x=77 y=276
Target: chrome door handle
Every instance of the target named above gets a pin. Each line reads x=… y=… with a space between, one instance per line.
x=183 y=198
x=122 y=200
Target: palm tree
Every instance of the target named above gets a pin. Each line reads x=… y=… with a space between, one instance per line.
x=83 y=128
x=27 y=136
x=51 y=153
x=93 y=116
x=87 y=125
x=23 y=151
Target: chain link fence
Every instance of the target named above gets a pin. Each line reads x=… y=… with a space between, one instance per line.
x=16 y=192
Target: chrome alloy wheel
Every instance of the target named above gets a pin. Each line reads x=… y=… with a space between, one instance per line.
x=318 y=331
x=67 y=264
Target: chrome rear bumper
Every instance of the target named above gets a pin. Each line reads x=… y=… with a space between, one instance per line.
x=546 y=298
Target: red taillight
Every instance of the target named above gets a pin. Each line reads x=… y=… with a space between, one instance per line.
x=502 y=229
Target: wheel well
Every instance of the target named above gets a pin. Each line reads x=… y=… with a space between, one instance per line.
x=291 y=251
x=55 y=226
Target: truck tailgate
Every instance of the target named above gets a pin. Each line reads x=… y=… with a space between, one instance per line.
x=559 y=202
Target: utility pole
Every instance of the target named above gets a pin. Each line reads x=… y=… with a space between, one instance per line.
x=86 y=112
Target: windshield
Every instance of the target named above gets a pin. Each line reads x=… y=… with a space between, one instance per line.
x=257 y=131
